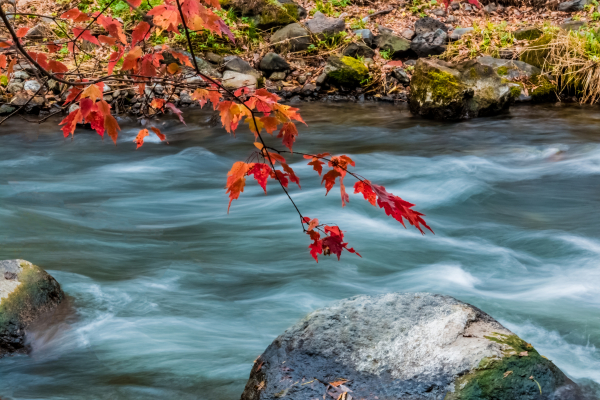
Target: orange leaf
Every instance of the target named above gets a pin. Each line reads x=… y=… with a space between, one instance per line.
x=254 y=127
x=329 y=179
x=337 y=383
x=288 y=132
x=2 y=61
x=215 y=97
x=93 y=92
x=114 y=59
x=140 y=33
x=166 y=17
x=365 y=188
x=86 y=35
x=107 y=40
x=236 y=180
x=173 y=68
x=261 y=173
x=158 y=133
x=75 y=15
x=112 y=127
x=270 y=124
x=70 y=122
x=139 y=139
x=291 y=173
x=57 y=67
x=131 y=59
x=22 y=32
x=157 y=103
x=200 y=95
x=52 y=48
x=230 y=115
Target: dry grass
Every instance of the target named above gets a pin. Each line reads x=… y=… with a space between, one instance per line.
x=574 y=57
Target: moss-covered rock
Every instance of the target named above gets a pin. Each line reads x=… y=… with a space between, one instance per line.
x=544 y=90
x=26 y=292
x=537 y=51
x=267 y=14
x=520 y=373
x=441 y=90
x=346 y=71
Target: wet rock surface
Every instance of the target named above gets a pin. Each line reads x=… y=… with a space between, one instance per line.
x=26 y=293
x=404 y=346
x=470 y=89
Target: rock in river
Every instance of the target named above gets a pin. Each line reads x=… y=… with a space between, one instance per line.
x=470 y=89
x=26 y=292
x=413 y=346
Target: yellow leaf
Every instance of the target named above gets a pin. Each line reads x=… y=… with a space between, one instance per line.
x=92 y=91
x=258 y=145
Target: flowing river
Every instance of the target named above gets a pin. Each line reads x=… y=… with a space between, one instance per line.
x=170 y=297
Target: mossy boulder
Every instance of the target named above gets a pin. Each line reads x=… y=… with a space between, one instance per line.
x=416 y=346
x=26 y=292
x=267 y=14
x=440 y=90
x=346 y=71
x=535 y=54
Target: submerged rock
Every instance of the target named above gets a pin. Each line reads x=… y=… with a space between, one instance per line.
x=414 y=346
x=26 y=292
x=467 y=90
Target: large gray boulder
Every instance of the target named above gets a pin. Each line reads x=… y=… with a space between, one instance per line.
x=26 y=292
x=293 y=37
x=470 y=89
x=414 y=346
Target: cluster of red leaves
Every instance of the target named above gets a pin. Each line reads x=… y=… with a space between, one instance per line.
x=332 y=242
x=236 y=177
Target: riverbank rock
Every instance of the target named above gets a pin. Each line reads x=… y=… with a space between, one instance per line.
x=322 y=26
x=235 y=80
x=293 y=37
x=346 y=71
x=470 y=89
x=26 y=292
x=413 y=346
x=396 y=46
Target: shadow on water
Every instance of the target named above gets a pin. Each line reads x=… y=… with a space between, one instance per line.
x=174 y=298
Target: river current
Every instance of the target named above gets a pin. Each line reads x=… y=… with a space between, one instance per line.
x=170 y=297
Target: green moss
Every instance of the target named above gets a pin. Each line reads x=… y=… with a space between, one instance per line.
x=277 y=15
x=442 y=86
x=537 y=51
x=515 y=91
x=508 y=378
x=350 y=71
x=502 y=71
x=544 y=91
